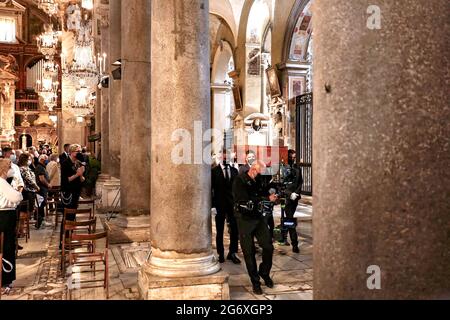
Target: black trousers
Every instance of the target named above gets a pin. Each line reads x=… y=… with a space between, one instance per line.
x=248 y=230
x=31 y=198
x=8 y=221
x=69 y=201
x=290 y=208
x=221 y=216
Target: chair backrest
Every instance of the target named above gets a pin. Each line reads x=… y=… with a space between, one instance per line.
x=77 y=212
x=91 y=237
x=90 y=201
x=73 y=225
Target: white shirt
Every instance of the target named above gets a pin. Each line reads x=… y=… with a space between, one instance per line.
x=224 y=169
x=9 y=198
x=17 y=179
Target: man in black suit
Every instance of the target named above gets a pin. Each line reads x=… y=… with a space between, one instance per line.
x=222 y=177
x=63 y=156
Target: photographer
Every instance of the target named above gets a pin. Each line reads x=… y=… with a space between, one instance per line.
x=294 y=181
x=252 y=217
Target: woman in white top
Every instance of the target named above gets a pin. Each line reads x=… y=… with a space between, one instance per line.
x=54 y=171
x=9 y=200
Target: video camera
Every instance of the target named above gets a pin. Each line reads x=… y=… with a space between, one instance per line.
x=262 y=208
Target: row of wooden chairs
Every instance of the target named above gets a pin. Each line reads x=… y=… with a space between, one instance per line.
x=79 y=246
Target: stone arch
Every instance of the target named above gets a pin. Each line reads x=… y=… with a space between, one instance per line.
x=293 y=21
x=223 y=33
x=222 y=56
x=223 y=9
x=222 y=105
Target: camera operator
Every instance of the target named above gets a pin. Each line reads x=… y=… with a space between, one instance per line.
x=252 y=210
x=294 y=182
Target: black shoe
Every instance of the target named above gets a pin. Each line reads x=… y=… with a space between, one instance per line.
x=233 y=257
x=295 y=249
x=257 y=289
x=221 y=259
x=268 y=281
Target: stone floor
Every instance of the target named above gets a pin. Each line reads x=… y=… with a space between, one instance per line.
x=39 y=276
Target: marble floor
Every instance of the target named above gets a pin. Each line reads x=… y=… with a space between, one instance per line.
x=39 y=276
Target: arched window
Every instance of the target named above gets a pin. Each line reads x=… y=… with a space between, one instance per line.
x=7 y=29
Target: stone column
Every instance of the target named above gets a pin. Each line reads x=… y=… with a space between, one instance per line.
x=104 y=93
x=115 y=87
x=133 y=224
x=381 y=151
x=182 y=264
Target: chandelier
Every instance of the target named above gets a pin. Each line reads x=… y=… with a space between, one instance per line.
x=82 y=104
x=50 y=67
x=50 y=7
x=47 y=89
x=47 y=42
x=84 y=67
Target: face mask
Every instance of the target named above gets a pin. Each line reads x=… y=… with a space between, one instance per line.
x=13 y=158
x=250 y=161
x=10 y=173
x=80 y=157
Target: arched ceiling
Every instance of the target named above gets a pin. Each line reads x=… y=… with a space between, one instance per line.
x=229 y=10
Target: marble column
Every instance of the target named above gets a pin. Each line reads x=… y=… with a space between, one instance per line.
x=132 y=225
x=381 y=151
x=182 y=264
x=104 y=147
x=115 y=87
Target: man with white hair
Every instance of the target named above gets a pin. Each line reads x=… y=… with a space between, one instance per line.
x=43 y=182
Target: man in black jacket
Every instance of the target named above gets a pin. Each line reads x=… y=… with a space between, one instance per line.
x=249 y=194
x=63 y=156
x=222 y=177
x=293 y=191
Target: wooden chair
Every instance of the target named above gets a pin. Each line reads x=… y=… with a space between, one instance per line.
x=68 y=244
x=87 y=260
x=51 y=206
x=23 y=220
x=90 y=202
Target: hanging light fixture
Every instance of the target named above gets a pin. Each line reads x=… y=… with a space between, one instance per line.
x=84 y=66
x=47 y=85
x=82 y=105
x=50 y=7
x=47 y=42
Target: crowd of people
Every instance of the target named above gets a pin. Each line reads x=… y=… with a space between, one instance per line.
x=244 y=197
x=26 y=181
